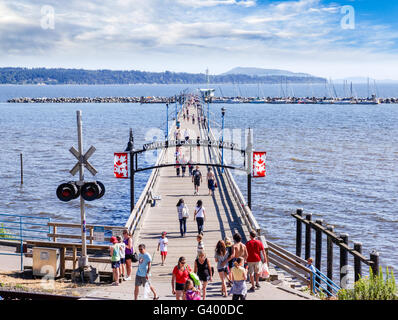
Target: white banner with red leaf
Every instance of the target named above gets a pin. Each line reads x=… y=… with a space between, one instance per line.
x=259 y=164
x=120 y=165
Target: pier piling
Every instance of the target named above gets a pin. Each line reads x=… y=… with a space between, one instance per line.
x=299 y=233
x=374 y=257
x=357 y=261
x=318 y=245
x=329 y=256
x=308 y=217
x=21 y=168
x=343 y=260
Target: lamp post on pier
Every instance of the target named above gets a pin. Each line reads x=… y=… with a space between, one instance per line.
x=130 y=148
x=167 y=121
x=222 y=139
x=208 y=114
x=176 y=110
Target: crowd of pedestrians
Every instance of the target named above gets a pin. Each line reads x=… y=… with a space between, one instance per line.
x=235 y=263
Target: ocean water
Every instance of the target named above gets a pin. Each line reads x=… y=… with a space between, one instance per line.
x=337 y=162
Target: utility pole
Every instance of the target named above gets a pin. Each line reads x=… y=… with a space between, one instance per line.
x=83 y=260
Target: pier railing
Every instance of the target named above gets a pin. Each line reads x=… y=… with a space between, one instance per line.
x=290 y=263
x=69 y=234
x=146 y=195
x=15 y=229
x=341 y=240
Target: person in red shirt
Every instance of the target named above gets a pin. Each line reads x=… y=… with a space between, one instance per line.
x=255 y=249
x=180 y=276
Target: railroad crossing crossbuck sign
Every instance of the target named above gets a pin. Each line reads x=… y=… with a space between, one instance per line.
x=83 y=159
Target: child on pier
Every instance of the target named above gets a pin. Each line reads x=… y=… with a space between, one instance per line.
x=115 y=260
x=162 y=245
x=201 y=246
x=190 y=292
x=122 y=257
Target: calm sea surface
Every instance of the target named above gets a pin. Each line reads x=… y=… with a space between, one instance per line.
x=337 y=162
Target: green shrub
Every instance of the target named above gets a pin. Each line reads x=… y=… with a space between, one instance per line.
x=4 y=233
x=373 y=287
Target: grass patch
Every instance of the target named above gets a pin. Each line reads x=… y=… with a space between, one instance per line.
x=4 y=233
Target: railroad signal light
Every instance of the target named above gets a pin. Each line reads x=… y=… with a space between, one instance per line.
x=68 y=191
x=92 y=190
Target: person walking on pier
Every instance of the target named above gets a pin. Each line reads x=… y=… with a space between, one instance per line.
x=190 y=292
x=183 y=165
x=142 y=276
x=122 y=269
x=177 y=166
x=196 y=179
x=239 y=248
x=115 y=260
x=162 y=245
x=200 y=216
x=201 y=246
x=239 y=276
x=128 y=253
x=183 y=215
x=203 y=270
x=190 y=167
x=211 y=178
x=255 y=249
x=180 y=276
x=221 y=257
x=231 y=258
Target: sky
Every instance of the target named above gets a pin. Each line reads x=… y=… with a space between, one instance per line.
x=332 y=39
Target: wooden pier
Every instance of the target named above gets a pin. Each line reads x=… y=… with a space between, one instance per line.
x=227 y=212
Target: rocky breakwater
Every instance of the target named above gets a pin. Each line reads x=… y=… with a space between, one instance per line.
x=93 y=100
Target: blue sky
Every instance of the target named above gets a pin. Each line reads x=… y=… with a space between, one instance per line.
x=191 y=35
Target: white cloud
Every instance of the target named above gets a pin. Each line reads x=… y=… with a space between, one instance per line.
x=180 y=31
x=212 y=3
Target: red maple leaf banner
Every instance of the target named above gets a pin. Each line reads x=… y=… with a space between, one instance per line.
x=259 y=164
x=120 y=165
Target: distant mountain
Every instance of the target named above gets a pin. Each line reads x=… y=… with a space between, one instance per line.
x=81 y=76
x=265 y=72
